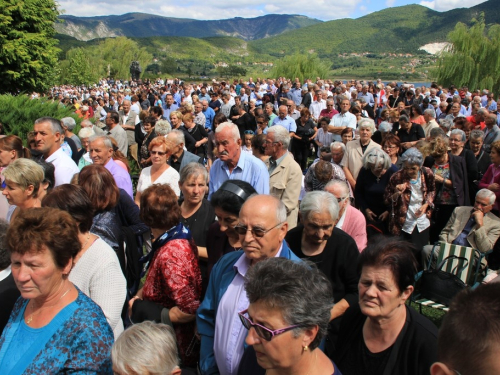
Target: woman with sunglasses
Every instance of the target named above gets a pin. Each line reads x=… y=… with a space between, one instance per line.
x=286 y=320
x=160 y=172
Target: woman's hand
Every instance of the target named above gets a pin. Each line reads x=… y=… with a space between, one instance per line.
x=494 y=187
x=384 y=216
x=401 y=188
x=422 y=210
x=370 y=215
x=130 y=304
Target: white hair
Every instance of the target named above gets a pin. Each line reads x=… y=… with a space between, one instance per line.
x=232 y=127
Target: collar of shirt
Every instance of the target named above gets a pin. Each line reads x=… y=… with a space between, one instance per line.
x=243 y=263
x=5 y=273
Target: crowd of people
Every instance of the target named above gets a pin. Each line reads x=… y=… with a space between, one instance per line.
x=275 y=227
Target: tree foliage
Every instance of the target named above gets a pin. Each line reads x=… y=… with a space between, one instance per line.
x=231 y=71
x=18 y=113
x=473 y=57
x=301 y=66
x=28 y=52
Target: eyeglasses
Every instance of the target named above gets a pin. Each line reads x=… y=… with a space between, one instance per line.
x=161 y=153
x=389 y=147
x=262 y=331
x=256 y=232
x=341 y=199
x=250 y=131
x=260 y=123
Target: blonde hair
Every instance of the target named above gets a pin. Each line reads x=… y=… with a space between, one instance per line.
x=25 y=172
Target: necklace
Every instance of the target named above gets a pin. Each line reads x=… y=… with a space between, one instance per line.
x=28 y=321
x=86 y=242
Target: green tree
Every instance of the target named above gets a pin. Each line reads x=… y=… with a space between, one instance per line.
x=79 y=69
x=301 y=66
x=28 y=52
x=168 y=66
x=472 y=58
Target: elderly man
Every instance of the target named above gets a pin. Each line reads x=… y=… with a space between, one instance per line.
x=87 y=124
x=262 y=228
x=329 y=111
x=317 y=105
x=233 y=164
x=292 y=110
x=469 y=226
x=116 y=131
x=180 y=157
x=48 y=132
x=284 y=120
x=334 y=252
x=368 y=96
x=128 y=120
x=342 y=120
x=69 y=124
x=285 y=175
x=350 y=219
x=430 y=121
x=101 y=152
x=491 y=132
x=199 y=116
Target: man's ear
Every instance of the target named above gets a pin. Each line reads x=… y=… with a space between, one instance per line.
x=439 y=368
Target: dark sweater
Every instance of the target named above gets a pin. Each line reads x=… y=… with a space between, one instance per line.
x=418 y=350
x=369 y=193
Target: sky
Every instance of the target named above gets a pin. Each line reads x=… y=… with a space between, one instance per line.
x=324 y=10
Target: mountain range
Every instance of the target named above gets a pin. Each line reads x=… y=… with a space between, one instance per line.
x=142 y=25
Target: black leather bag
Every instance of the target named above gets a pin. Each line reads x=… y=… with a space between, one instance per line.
x=441 y=286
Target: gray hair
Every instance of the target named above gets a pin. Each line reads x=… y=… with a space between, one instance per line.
x=162 y=127
x=85 y=133
x=437 y=132
x=280 y=135
x=104 y=138
x=476 y=134
x=319 y=202
x=178 y=136
x=431 y=112
x=413 y=157
x=486 y=193
x=483 y=112
x=146 y=347
x=280 y=211
x=69 y=122
x=306 y=300
x=55 y=124
x=459 y=132
x=367 y=123
x=342 y=184
x=337 y=144
x=86 y=124
x=404 y=118
x=232 y=127
x=375 y=158
x=193 y=169
x=446 y=123
x=385 y=127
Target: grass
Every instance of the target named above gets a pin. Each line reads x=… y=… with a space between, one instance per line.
x=434 y=315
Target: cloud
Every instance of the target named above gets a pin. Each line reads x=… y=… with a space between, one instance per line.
x=362 y=8
x=444 y=5
x=213 y=10
x=389 y=3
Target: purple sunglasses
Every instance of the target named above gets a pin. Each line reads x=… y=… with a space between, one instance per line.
x=263 y=332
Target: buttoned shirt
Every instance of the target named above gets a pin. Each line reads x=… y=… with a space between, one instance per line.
x=343 y=120
x=64 y=167
x=288 y=123
x=121 y=176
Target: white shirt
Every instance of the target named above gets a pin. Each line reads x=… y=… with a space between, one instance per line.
x=64 y=167
x=341 y=220
x=340 y=120
x=416 y=199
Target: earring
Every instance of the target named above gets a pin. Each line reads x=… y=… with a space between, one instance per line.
x=305 y=348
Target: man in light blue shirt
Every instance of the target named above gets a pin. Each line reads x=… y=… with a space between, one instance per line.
x=169 y=106
x=233 y=164
x=284 y=120
x=342 y=120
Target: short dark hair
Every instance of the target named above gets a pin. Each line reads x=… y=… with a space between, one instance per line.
x=74 y=200
x=49 y=174
x=306 y=300
x=229 y=201
x=258 y=142
x=4 y=253
x=470 y=331
x=395 y=254
x=48 y=227
x=113 y=115
x=159 y=207
x=158 y=111
x=100 y=186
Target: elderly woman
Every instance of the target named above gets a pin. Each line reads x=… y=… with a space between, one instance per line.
x=54 y=327
x=383 y=335
x=334 y=252
x=346 y=135
x=409 y=133
x=101 y=188
x=23 y=183
x=160 y=172
x=410 y=195
x=96 y=270
x=491 y=179
x=289 y=316
x=370 y=188
x=482 y=157
x=384 y=129
x=227 y=202
x=85 y=134
x=302 y=138
x=352 y=160
x=162 y=127
x=172 y=290
x=457 y=141
x=149 y=127
x=176 y=122
x=323 y=137
x=198 y=132
x=147 y=348
x=452 y=188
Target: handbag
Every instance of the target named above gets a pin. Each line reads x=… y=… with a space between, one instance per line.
x=441 y=286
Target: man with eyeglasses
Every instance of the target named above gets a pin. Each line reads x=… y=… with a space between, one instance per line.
x=262 y=228
x=292 y=110
x=285 y=174
x=469 y=226
x=351 y=220
x=329 y=111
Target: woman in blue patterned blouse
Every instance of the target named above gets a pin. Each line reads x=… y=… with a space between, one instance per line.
x=53 y=327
